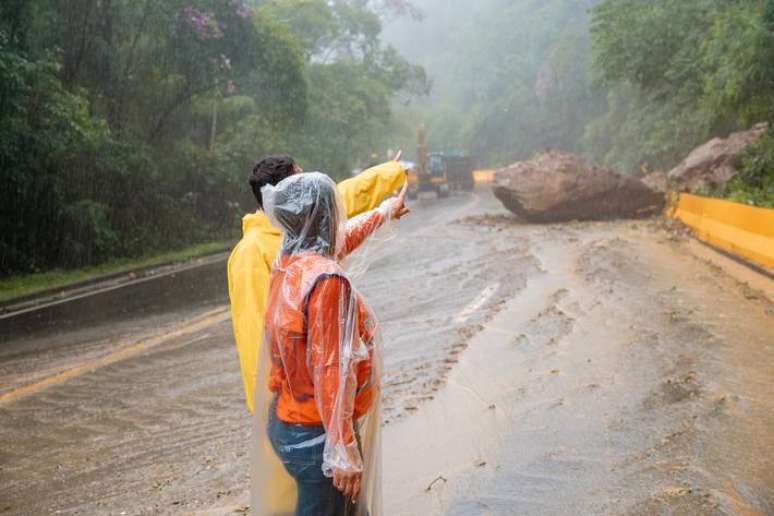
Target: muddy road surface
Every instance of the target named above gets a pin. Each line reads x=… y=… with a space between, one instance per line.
x=587 y=368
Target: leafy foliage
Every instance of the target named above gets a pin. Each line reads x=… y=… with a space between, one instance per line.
x=677 y=74
x=130 y=126
x=353 y=81
x=755 y=182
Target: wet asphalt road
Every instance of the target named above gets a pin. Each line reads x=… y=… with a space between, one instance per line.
x=163 y=430
x=625 y=379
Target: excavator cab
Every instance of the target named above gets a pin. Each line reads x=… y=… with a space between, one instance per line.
x=437 y=177
x=429 y=174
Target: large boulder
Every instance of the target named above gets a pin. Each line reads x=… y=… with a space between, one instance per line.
x=559 y=186
x=713 y=163
x=656 y=181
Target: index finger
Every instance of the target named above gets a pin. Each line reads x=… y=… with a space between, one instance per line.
x=398 y=155
x=356 y=489
x=349 y=488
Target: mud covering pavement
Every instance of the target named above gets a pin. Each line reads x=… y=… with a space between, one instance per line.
x=595 y=368
x=627 y=377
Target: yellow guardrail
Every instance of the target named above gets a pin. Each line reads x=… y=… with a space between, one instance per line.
x=747 y=231
x=483 y=176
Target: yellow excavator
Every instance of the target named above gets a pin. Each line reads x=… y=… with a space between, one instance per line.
x=439 y=172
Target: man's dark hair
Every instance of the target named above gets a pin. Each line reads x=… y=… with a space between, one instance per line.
x=270 y=171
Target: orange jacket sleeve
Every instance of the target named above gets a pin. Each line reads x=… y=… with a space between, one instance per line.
x=331 y=330
x=359 y=228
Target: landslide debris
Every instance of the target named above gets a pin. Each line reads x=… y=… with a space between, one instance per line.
x=559 y=186
x=657 y=181
x=713 y=163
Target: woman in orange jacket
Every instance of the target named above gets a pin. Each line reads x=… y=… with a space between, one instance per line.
x=250 y=263
x=324 y=353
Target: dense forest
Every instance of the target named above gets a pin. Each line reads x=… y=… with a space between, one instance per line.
x=632 y=84
x=129 y=126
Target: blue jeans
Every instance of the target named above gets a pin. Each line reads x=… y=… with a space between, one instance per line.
x=300 y=447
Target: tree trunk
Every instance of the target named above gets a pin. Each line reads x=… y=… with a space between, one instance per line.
x=214 y=123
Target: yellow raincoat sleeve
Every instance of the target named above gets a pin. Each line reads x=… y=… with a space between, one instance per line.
x=249 y=270
x=248 y=283
x=369 y=188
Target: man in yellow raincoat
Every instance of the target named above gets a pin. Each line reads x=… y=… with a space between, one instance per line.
x=250 y=263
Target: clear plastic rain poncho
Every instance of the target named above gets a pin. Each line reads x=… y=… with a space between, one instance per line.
x=318 y=390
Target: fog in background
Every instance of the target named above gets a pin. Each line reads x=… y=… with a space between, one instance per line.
x=631 y=85
x=508 y=78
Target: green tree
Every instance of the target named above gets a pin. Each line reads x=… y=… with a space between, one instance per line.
x=104 y=143
x=678 y=73
x=353 y=79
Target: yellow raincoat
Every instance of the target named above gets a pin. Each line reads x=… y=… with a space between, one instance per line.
x=249 y=265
